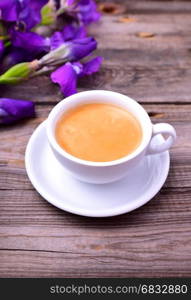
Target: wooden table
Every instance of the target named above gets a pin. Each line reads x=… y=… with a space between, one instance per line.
x=39 y=240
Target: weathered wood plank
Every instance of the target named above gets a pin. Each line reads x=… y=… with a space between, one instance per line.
x=146 y=7
x=143 y=84
x=40 y=240
x=27 y=207
x=141 y=251
x=51 y=264
x=170 y=32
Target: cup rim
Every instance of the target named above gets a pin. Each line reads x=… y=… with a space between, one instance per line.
x=56 y=110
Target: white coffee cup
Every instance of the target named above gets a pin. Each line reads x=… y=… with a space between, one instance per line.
x=105 y=172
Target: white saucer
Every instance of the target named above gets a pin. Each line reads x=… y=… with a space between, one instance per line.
x=67 y=193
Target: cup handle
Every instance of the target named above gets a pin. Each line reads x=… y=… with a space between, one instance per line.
x=162 y=128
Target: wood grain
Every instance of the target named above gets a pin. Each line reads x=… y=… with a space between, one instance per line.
x=39 y=240
x=25 y=207
x=49 y=242
x=144 y=84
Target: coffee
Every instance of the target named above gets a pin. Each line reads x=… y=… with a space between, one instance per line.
x=98 y=132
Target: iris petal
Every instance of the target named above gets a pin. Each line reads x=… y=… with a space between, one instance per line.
x=71 y=32
x=92 y=66
x=30 y=13
x=9 y=10
x=12 y=110
x=66 y=77
x=80 y=48
x=56 y=40
x=31 y=42
x=26 y=11
x=87 y=11
x=84 y=11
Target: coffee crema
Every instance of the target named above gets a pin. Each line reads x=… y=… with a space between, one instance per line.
x=98 y=132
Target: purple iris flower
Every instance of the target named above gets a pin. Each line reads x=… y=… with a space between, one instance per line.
x=80 y=48
x=83 y=10
x=72 y=32
x=56 y=40
x=30 y=42
x=12 y=110
x=35 y=44
x=68 y=51
x=9 y=10
x=69 y=32
x=67 y=75
x=30 y=13
x=87 y=11
x=24 y=11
